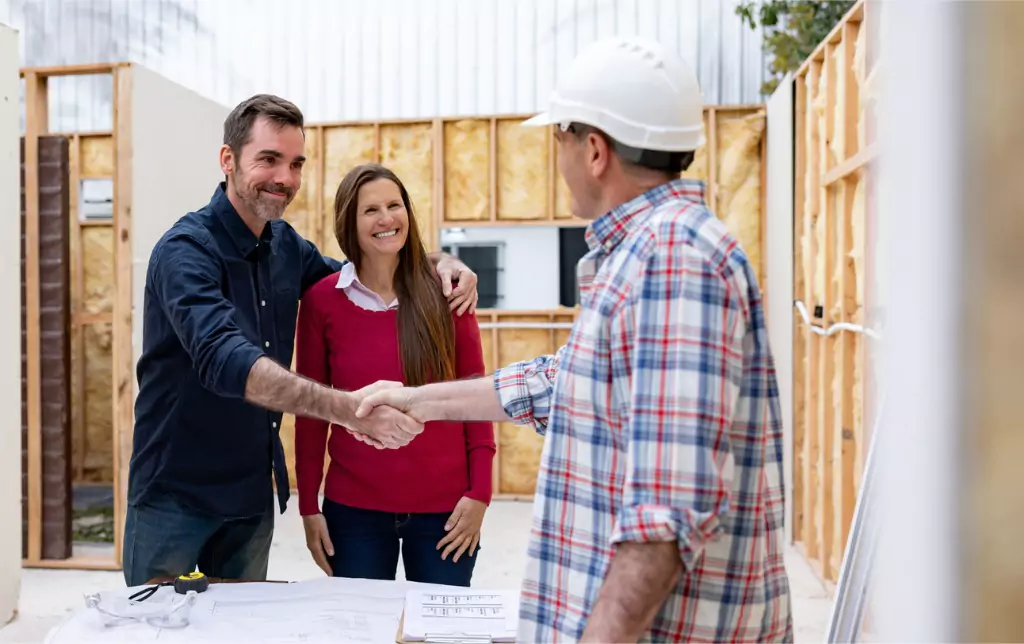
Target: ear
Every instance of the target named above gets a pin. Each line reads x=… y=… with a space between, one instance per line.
x=227 y=160
x=599 y=155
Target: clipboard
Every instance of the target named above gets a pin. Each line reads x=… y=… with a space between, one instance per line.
x=451 y=638
x=440 y=604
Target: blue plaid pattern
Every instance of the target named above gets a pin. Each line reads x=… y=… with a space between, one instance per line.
x=662 y=423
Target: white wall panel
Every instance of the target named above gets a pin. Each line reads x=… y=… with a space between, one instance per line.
x=352 y=60
x=10 y=333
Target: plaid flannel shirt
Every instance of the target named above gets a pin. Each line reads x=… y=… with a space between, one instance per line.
x=662 y=423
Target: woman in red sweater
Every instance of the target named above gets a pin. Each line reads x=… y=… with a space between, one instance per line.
x=382 y=317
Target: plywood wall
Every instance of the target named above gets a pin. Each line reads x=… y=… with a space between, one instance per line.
x=834 y=143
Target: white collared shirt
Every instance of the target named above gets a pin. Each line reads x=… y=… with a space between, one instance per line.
x=358 y=293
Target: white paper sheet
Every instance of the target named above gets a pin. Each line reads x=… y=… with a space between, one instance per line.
x=462 y=613
x=320 y=610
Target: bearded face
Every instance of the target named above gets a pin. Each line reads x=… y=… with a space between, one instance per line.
x=266 y=199
x=266 y=173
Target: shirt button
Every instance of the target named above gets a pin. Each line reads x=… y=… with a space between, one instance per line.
x=274 y=425
x=266 y=344
x=263 y=302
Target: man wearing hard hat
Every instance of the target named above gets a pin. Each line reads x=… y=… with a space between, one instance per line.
x=659 y=505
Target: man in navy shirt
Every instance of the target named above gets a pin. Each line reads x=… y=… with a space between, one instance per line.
x=222 y=294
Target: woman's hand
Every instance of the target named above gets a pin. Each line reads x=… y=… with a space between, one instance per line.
x=318 y=540
x=463 y=528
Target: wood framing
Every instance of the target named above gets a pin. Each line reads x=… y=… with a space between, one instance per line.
x=36 y=125
x=460 y=172
x=834 y=147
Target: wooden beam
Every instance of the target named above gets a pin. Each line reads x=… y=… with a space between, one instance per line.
x=826 y=364
x=712 y=148
x=437 y=129
x=88 y=69
x=322 y=233
x=796 y=530
x=552 y=204
x=543 y=223
x=853 y=164
x=122 y=380
x=845 y=446
x=36 y=125
x=493 y=164
x=855 y=14
x=811 y=213
x=72 y=563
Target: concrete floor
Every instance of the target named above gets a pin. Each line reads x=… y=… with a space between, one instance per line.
x=48 y=596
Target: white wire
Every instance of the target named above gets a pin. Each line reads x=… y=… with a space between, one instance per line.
x=835 y=328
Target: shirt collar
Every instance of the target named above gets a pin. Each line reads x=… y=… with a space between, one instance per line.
x=244 y=240
x=347 y=278
x=612 y=227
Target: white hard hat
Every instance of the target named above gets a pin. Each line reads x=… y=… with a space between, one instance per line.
x=635 y=90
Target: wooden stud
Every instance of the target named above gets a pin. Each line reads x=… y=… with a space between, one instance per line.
x=78 y=284
x=712 y=148
x=800 y=332
x=437 y=129
x=552 y=177
x=123 y=390
x=811 y=444
x=36 y=125
x=826 y=357
x=847 y=102
x=494 y=169
x=495 y=354
x=319 y=168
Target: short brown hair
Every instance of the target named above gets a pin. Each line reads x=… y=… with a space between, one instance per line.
x=238 y=124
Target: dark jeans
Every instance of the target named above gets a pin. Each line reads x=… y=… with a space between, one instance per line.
x=164 y=539
x=366 y=546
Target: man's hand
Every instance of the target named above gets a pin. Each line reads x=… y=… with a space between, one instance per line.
x=384 y=427
x=463 y=528
x=318 y=541
x=399 y=399
x=464 y=296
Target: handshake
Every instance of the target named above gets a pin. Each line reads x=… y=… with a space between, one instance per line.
x=383 y=414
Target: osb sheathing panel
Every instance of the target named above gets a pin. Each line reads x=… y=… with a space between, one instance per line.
x=96 y=158
x=408 y=150
x=344 y=148
x=523 y=155
x=520 y=447
x=467 y=157
x=301 y=213
x=98 y=265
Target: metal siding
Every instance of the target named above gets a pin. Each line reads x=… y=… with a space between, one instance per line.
x=351 y=60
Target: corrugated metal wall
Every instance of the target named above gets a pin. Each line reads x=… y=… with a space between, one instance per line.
x=355 y=60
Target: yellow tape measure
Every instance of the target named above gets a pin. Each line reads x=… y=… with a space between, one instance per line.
x=196 y=581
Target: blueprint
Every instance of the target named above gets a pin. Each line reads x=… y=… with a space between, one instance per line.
x=320 y=610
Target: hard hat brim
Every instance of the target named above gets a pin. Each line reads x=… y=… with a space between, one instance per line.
x=544 y=118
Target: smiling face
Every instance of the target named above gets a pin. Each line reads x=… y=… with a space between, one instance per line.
x=382 y=222
x=266 y=174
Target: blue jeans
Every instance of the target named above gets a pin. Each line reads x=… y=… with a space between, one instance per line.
x=366 y=546
x=164 y=539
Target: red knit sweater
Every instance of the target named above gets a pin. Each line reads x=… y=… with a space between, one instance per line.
x=341 y=344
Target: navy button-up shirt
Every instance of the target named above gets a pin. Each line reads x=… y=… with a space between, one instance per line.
x=217 y=298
